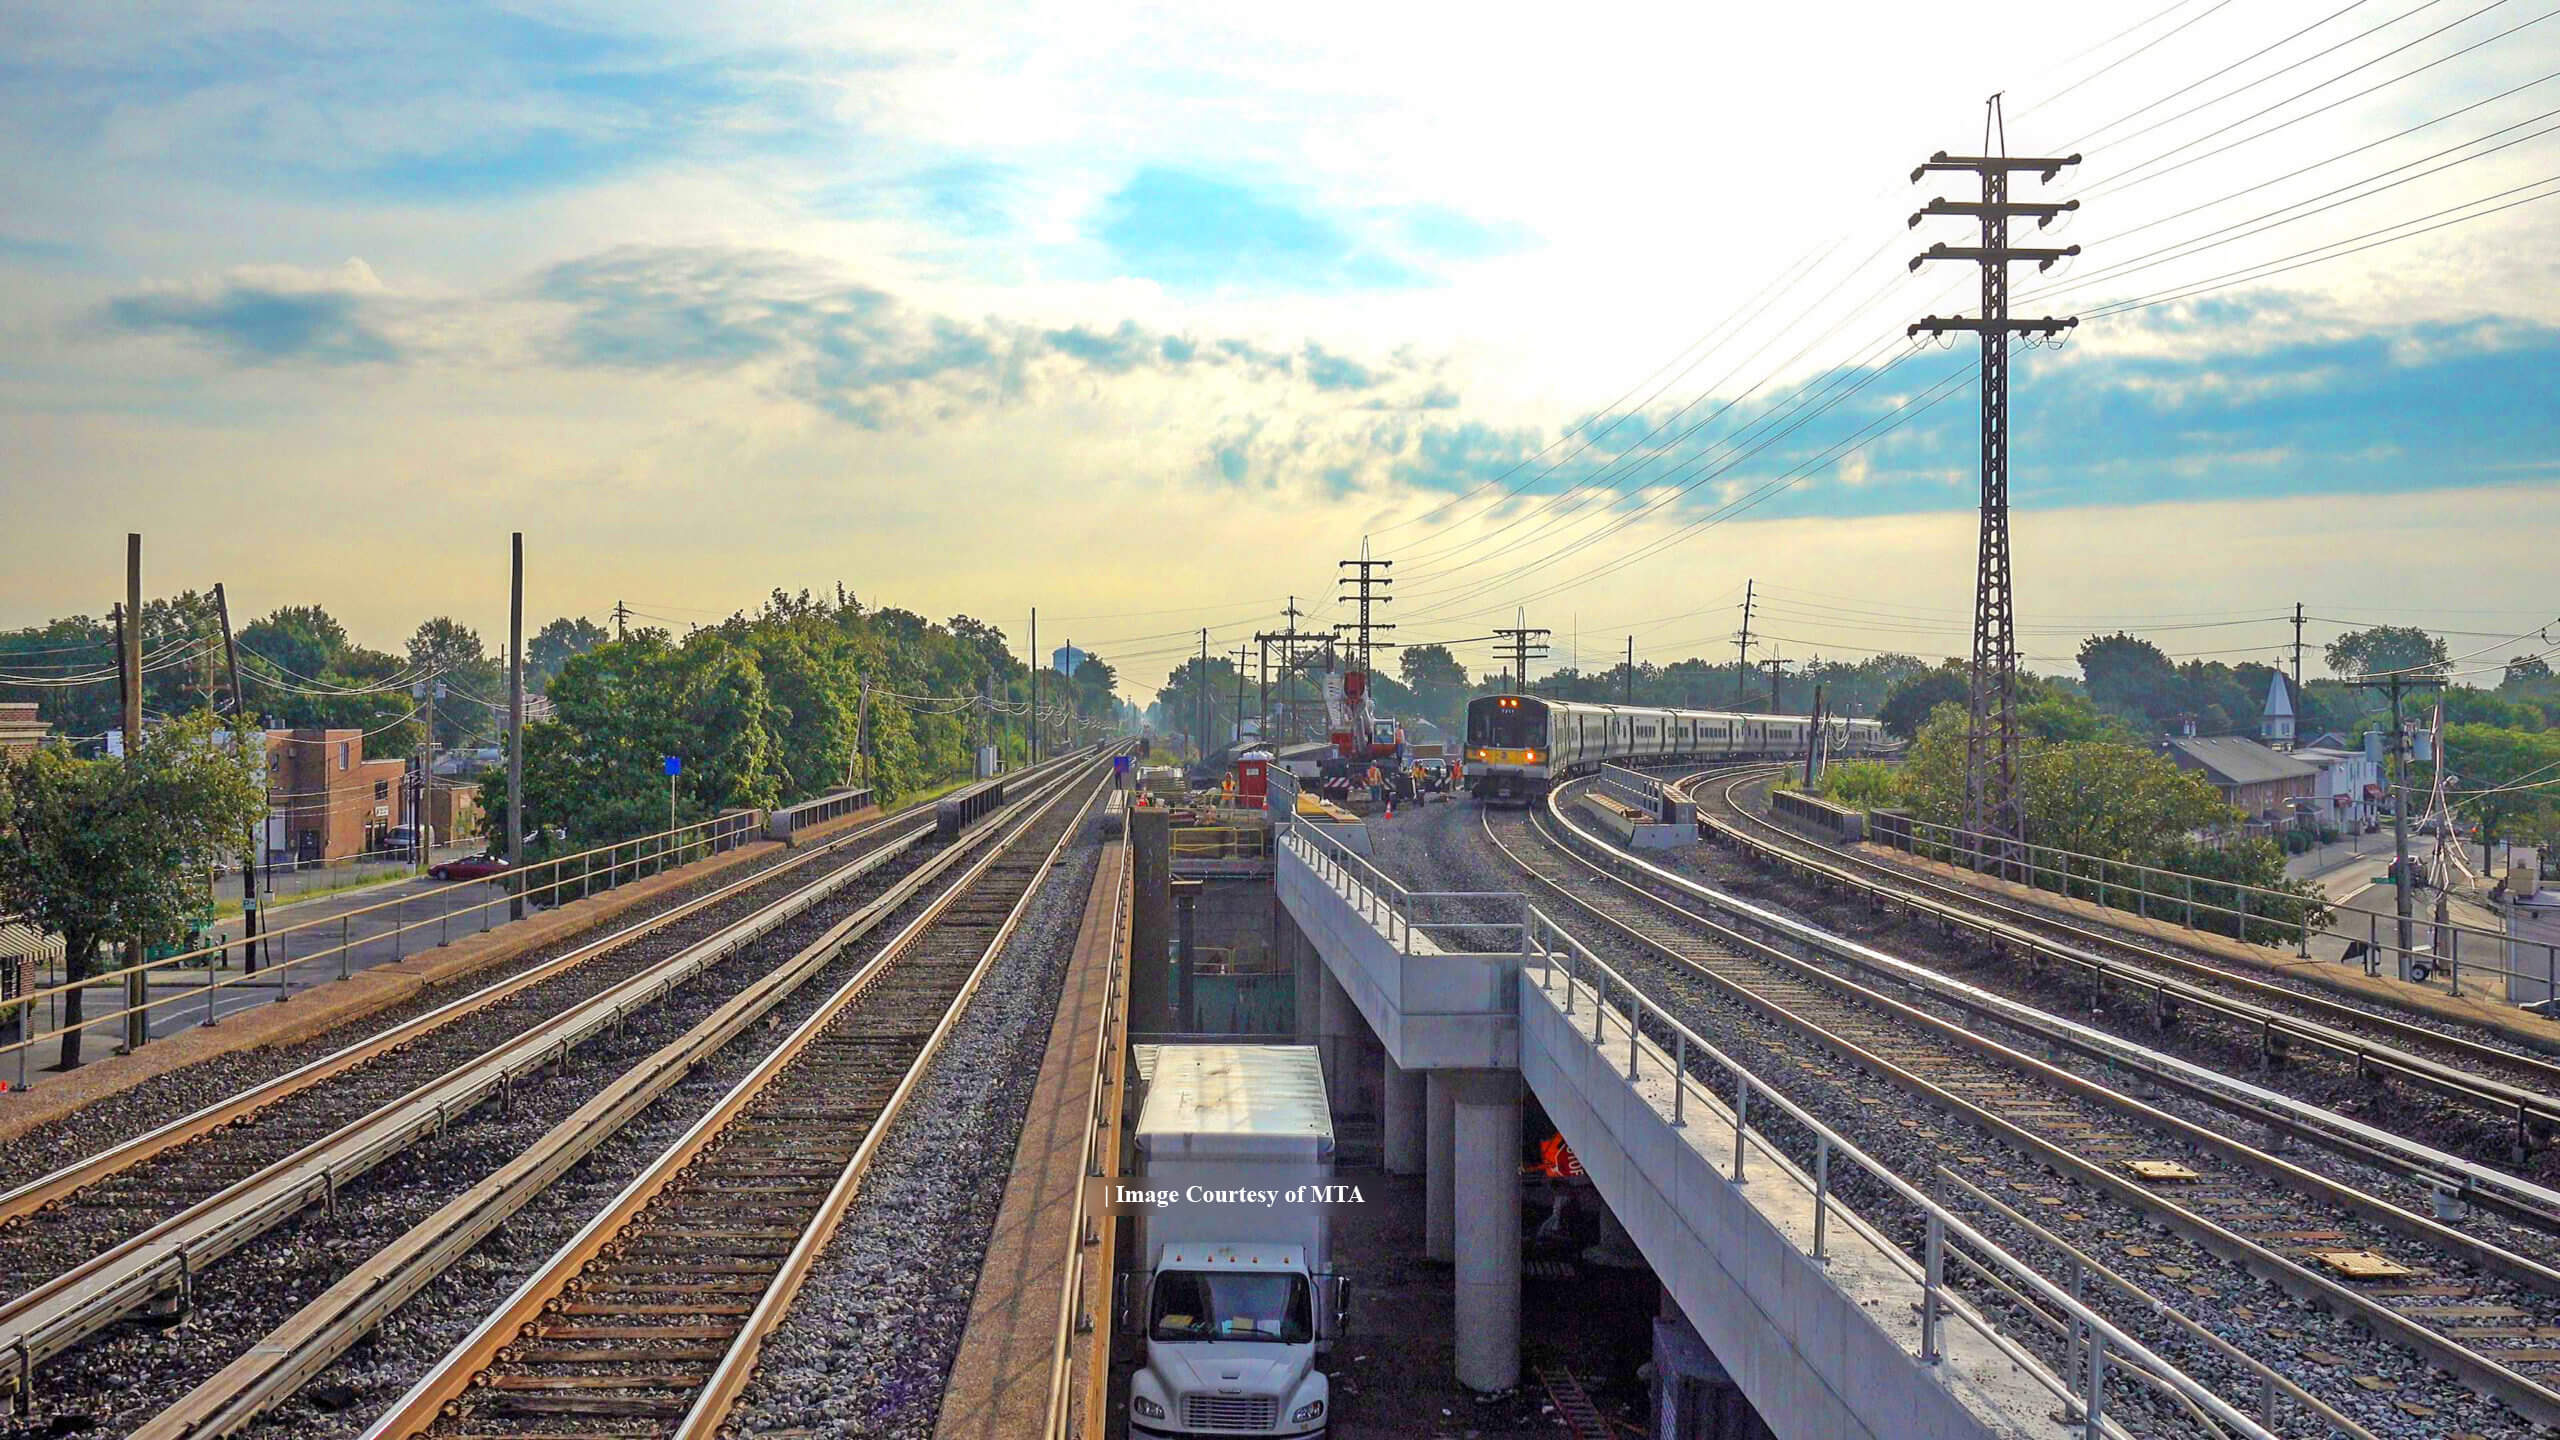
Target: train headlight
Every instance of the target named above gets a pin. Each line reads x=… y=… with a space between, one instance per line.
x=1533 y=757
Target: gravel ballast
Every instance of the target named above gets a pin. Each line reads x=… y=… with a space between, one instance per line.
x=869 y=1345
x=1444 y=847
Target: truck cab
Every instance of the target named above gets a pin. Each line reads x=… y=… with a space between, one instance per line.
x=1234 y=1298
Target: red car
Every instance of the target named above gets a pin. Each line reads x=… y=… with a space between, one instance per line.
x=470 y=867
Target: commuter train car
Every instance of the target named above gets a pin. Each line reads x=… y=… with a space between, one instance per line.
x=1519 y=745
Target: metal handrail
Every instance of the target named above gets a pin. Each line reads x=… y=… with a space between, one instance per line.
x=1553 y=952
x=1395 y=910
x=664 y=847
x=1104 y=1094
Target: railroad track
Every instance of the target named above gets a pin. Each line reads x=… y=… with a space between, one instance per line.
x=650 y=1321
x=132 y=1228
x=2242 y=1205
x=2514 y=1086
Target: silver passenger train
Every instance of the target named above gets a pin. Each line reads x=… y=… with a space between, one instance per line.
x=1519 y=745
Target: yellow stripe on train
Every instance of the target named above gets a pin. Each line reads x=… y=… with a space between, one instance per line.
x=1486 y=755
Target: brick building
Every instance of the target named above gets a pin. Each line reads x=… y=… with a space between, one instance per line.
x=20 y=730
x=325 y=800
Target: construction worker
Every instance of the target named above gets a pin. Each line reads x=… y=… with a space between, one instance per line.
x=1419 y=780
x=1377 y=785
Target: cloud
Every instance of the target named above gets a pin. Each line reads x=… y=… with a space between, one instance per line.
x=1195 y=232
x=1328 y=371
x=268 y=315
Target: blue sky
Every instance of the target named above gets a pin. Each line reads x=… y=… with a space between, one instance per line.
x=841 y=289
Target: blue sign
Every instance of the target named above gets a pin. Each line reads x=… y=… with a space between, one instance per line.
x=675 y=764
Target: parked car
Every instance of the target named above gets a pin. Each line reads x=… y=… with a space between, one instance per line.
x=399 y=838
x=470 y=867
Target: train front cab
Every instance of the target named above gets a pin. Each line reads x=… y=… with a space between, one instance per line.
x=1509 y=748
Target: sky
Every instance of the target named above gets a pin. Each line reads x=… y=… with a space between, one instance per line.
x=1147 y=316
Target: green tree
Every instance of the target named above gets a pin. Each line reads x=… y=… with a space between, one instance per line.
x=555 y=645
x=1437 y=680
x=95 y=850
x=2509 y=779
x=1908 y=705
x=300 y=640
x=2133 y=678
x=451 y=651
x=2386 y=649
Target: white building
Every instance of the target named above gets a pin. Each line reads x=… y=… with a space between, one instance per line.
x=2347 y=788
x=2275 y=724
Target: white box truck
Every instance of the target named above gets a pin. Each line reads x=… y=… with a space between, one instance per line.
x=1236 y=1293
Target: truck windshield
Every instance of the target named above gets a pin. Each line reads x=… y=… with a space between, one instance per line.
x=1232 y=1305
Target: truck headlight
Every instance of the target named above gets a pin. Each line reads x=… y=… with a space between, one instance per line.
x=1146 y=1407
x=1312 y=1410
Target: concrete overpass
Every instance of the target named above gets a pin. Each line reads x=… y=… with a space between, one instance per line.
x=1826 y=1325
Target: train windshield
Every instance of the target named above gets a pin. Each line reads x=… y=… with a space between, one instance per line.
x=1506 y=722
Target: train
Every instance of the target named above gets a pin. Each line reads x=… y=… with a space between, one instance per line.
x=1518 y=746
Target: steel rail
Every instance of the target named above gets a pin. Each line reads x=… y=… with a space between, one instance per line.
x=297 y=1351
x=42 y=1192
x=2509 y=1195
x=131 y=1275
x=2526 y=1395
x=439 y=1392
x=2023 y=922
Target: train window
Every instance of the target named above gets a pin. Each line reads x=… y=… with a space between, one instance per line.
x=1506 y=728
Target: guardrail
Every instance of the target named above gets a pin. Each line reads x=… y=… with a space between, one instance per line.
x=1400 y=913
x=2248 y=911
x=584 y=872
x=782 y=824
x=1552 y=957
x=1669 y=805
x=1090 y=1245
x=961 y=809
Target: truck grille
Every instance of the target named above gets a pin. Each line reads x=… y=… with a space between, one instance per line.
x=1230 y=1412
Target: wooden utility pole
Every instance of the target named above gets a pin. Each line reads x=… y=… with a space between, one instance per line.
x=515 y=726
x=1813 y=740
x=2398 y=683
x=254 y=857
x=137 y=989
x=1630 y=688
x=1035 y=685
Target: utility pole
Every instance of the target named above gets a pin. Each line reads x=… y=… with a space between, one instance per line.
x=427 y=689
x=1991 y=729
x=1631 y=670
x=1777 y=668
x=1035 y=687
x=1200 y=700
x=1742 y=644
x=2398 y=683
x=251 y=858
x=515 y=725
x=1813 y=739
x=1368 y=589
x=137 y=989
x=862 y=731
x=621 y=621
x=1522 y=637
x=1240 y=696
x=2296 y=697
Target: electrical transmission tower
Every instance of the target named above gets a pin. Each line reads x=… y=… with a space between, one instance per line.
x=1742 y=644
x=1368 y=589
x=1524 y=639
x=1991 y=730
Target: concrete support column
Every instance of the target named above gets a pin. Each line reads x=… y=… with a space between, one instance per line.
x=1487 y=1214
x=1440 y=1166
x=1403 y=1120
x=1338 y=1033
x=1307 y=968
